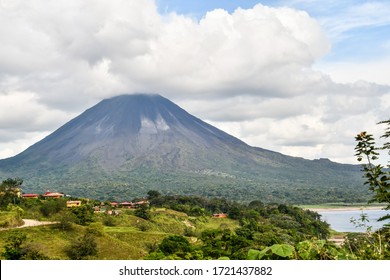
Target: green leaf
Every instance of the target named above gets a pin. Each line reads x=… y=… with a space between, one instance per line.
x=253 y=254
x=256 y=254
x=282 y=250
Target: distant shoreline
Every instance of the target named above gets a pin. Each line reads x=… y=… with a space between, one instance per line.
x=346 y=208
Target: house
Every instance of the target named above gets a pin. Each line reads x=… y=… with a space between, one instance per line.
x=139 y=203
x=73 y=203
x=53 y=195
x=30 y=195
x=220 y=215
x=127 y=204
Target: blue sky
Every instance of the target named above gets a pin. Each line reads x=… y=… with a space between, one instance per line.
x=299 y=77
x=364 y=40
x=200 y=8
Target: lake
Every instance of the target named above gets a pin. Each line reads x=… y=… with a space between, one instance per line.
x=340 y=220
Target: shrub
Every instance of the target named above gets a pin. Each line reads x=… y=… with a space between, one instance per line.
x=83 y=248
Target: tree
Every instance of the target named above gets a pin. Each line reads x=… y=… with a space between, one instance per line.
x=65 y=219
x=83 y=214
x=174 y=247
x=377 y=177
x=153 y=194
x=52 y=206
x=13 y=183
x=9 y=190
x=15 y=249
x=143 y=212
x=256 y=204
x=83 y=248
x=174 y=244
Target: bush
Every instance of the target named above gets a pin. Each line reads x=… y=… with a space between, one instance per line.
x=83 y=248
x=174 y=244
x=52 y=206
x=15 y=249
x=109 y=221
x=143 y=212
x=10 y=219
x=65 y=220
x=83 y=214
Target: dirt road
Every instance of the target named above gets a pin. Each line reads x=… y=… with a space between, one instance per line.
x=34 y=223
x=31 y=223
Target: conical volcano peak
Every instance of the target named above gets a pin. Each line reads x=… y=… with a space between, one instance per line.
x=128 y=127
x=131 y=114
x=140 y=99
x=152 y=113
x=135 y=104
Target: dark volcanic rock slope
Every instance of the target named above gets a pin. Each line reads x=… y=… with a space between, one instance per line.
x=131 y=129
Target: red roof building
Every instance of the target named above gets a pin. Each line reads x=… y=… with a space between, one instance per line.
x=30 y=195
x=53 y=195
x=141 y=202
x=127 y=204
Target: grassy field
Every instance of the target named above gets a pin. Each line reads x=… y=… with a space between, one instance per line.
x=9 y=219
x=129 y=237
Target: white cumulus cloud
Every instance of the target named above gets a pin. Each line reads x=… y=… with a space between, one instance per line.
x=250 y=72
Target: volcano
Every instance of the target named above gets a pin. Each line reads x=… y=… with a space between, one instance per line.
x=129 y=144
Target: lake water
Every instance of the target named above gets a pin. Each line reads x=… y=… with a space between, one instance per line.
x=341 y=220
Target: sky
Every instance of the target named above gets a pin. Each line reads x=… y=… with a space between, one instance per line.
x=299 y=77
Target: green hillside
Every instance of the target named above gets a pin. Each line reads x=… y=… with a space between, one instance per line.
x=129 y=237
x=176 y=227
